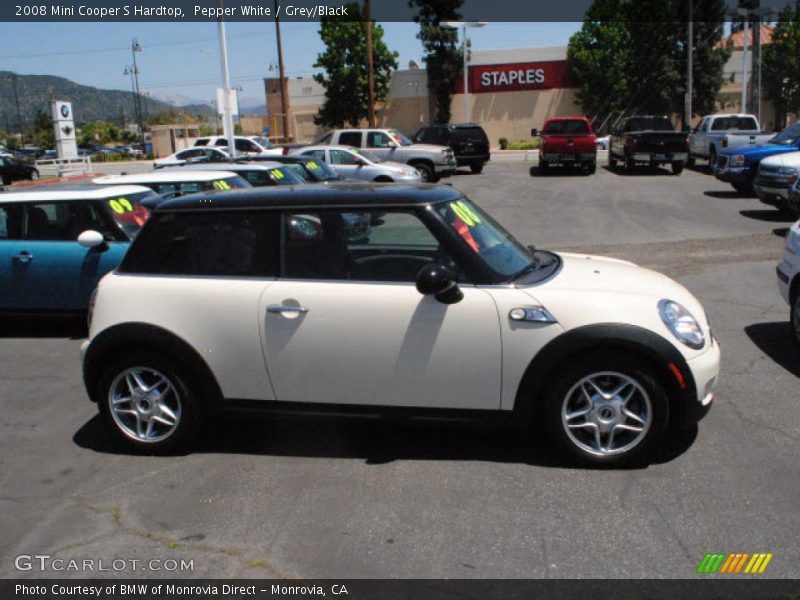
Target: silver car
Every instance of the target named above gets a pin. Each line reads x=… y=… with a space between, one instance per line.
x=355 y=163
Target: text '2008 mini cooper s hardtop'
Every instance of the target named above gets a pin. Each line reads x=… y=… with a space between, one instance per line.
x=388 y=299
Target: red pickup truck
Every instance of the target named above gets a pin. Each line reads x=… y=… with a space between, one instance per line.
x=567 y=141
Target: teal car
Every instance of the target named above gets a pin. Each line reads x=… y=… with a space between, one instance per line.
x=55 y=245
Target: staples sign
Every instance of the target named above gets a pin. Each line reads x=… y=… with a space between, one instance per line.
x=517 y=76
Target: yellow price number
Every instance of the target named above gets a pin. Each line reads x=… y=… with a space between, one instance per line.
x=277 y=174
x=465 y=213
x=221 y=184
x=120 y=205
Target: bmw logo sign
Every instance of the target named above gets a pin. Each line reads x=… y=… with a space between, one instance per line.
x=64 y=111
x=66 y=129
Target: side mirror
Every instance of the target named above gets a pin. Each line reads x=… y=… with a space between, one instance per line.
x=436 y=280
x=534 y=132
x=91 y=239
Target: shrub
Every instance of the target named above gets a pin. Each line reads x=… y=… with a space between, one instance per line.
x=503 y=143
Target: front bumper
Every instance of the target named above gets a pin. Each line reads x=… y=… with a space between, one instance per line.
x=771 y=195
x=660 y=157
x=705 y=371
x=793 y=199
x=569 y=157
x=734 y=174
x=445 y=168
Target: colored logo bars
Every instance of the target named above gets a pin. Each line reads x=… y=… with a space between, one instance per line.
x=735 y=563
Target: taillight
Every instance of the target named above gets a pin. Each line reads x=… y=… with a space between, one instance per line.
x=90 y=312
x=686 y=143
x=285 y=150
x=631 y=141
x=724 y=142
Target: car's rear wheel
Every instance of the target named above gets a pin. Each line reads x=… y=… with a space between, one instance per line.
x=476 y=168
x=591 y=168
x=712 y=158
x=543 y=167
x=606 y=410
x=630 y=164
x=34 y=175
x=690 y=160
x=677 y=168
x=612 y=162
x=148 y=403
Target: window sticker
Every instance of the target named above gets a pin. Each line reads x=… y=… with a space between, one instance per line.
x=221 y=184
x=120 y=205
x=465 y=213
x=277 y=174
x=313 y=165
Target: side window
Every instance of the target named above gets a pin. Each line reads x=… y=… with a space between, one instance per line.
x=222 y=142
x=245 y=146
x=350 y=138
x=63 y=221
x=358 y=245
x=187 y=154
x=201 y=142
x=231 y=244
x=377 y=139
x=704 y=125
x=10 y=222
x=340 y=157
x=315 y=154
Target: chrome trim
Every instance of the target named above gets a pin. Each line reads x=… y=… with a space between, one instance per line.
x=284 y=308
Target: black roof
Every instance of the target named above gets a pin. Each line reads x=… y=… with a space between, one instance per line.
x=304 y=196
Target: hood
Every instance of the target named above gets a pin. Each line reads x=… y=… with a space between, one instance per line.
x=788 y=159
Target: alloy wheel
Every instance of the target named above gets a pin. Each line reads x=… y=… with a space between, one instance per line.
x=606 y=413
x=145 y=404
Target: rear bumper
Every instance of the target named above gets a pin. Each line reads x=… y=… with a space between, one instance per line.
x=660 y=157
x=569 y=157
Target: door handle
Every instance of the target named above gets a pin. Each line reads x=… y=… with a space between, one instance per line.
x=24 y=257
x=282 y=308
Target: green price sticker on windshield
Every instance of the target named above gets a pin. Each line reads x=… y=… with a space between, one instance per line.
x=120 y=205
x=277 y=174
x=465 y=213
x=313 y=165
x=221 y=184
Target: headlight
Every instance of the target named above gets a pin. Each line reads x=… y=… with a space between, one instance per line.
x=737 y=160
x=681 y=323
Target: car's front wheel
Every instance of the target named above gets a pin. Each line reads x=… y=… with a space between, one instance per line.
x=34 y=175
x=148 y=403
x=605 y=410
x=426 y=172
x=795 y=318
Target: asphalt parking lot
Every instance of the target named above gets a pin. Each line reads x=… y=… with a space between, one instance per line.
x=314 y=499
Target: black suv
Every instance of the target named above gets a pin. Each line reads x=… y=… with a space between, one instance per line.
x=468 y=141
x=12 y=169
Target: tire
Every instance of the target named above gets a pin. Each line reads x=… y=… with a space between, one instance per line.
x=794 y=317
x=591 y=168
x=544 y=167
x=426 y=173
x=690 y=160
x=181 y=403
x=742 y=188
x=677 y=168
x=606 y=371
x=712 y=158
x=34 y=175
x=476 y=168
x=612 y=163
x=630 y=165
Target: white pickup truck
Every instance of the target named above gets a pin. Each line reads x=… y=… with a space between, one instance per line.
x=715 y=133
x=430 y=160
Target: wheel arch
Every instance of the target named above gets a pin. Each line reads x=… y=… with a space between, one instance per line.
x=642 y=343
x=120 y=338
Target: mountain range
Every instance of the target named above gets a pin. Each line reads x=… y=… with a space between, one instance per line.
x=34 y=92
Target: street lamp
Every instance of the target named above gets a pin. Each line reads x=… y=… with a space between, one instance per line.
x=137 y=47
x=464 y=25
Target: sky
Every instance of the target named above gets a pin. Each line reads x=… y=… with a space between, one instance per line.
x=184 y=58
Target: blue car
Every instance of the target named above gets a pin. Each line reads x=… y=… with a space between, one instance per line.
x=55 y=245
x=738 y=166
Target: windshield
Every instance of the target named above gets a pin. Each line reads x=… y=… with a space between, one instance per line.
x=299 y=171
x=263 y=142
x=285 y=176
x=366 y=154
x=486 y=238
x=788 y=136
x=322 y=171
x=128 y=213
x=399 y=138
x=649 y=124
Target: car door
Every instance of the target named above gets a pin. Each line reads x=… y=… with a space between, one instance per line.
x=50 y=269
x=344 y=163
x=700 y=139
x=381 y=145
x=10 y=233
x=345 y=324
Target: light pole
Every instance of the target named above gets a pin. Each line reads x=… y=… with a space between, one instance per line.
x=227 y=117
x=129 y=71
x=14 y=78
x=136 y=47
x=415 y=85
x=464 y=25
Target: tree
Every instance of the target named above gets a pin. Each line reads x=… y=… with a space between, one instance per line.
x=630 y=57
x=443 y=57
x=780 y=67
x=344 y=64
x=43 y=135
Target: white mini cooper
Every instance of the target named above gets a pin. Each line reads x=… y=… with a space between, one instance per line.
x=394 y=300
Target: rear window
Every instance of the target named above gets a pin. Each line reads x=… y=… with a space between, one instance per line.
x=128 y=213
x=733 y=123
x=567 y=126
x=201 y=142
x=649 y=124
x=233 y=244
x=470 y=134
